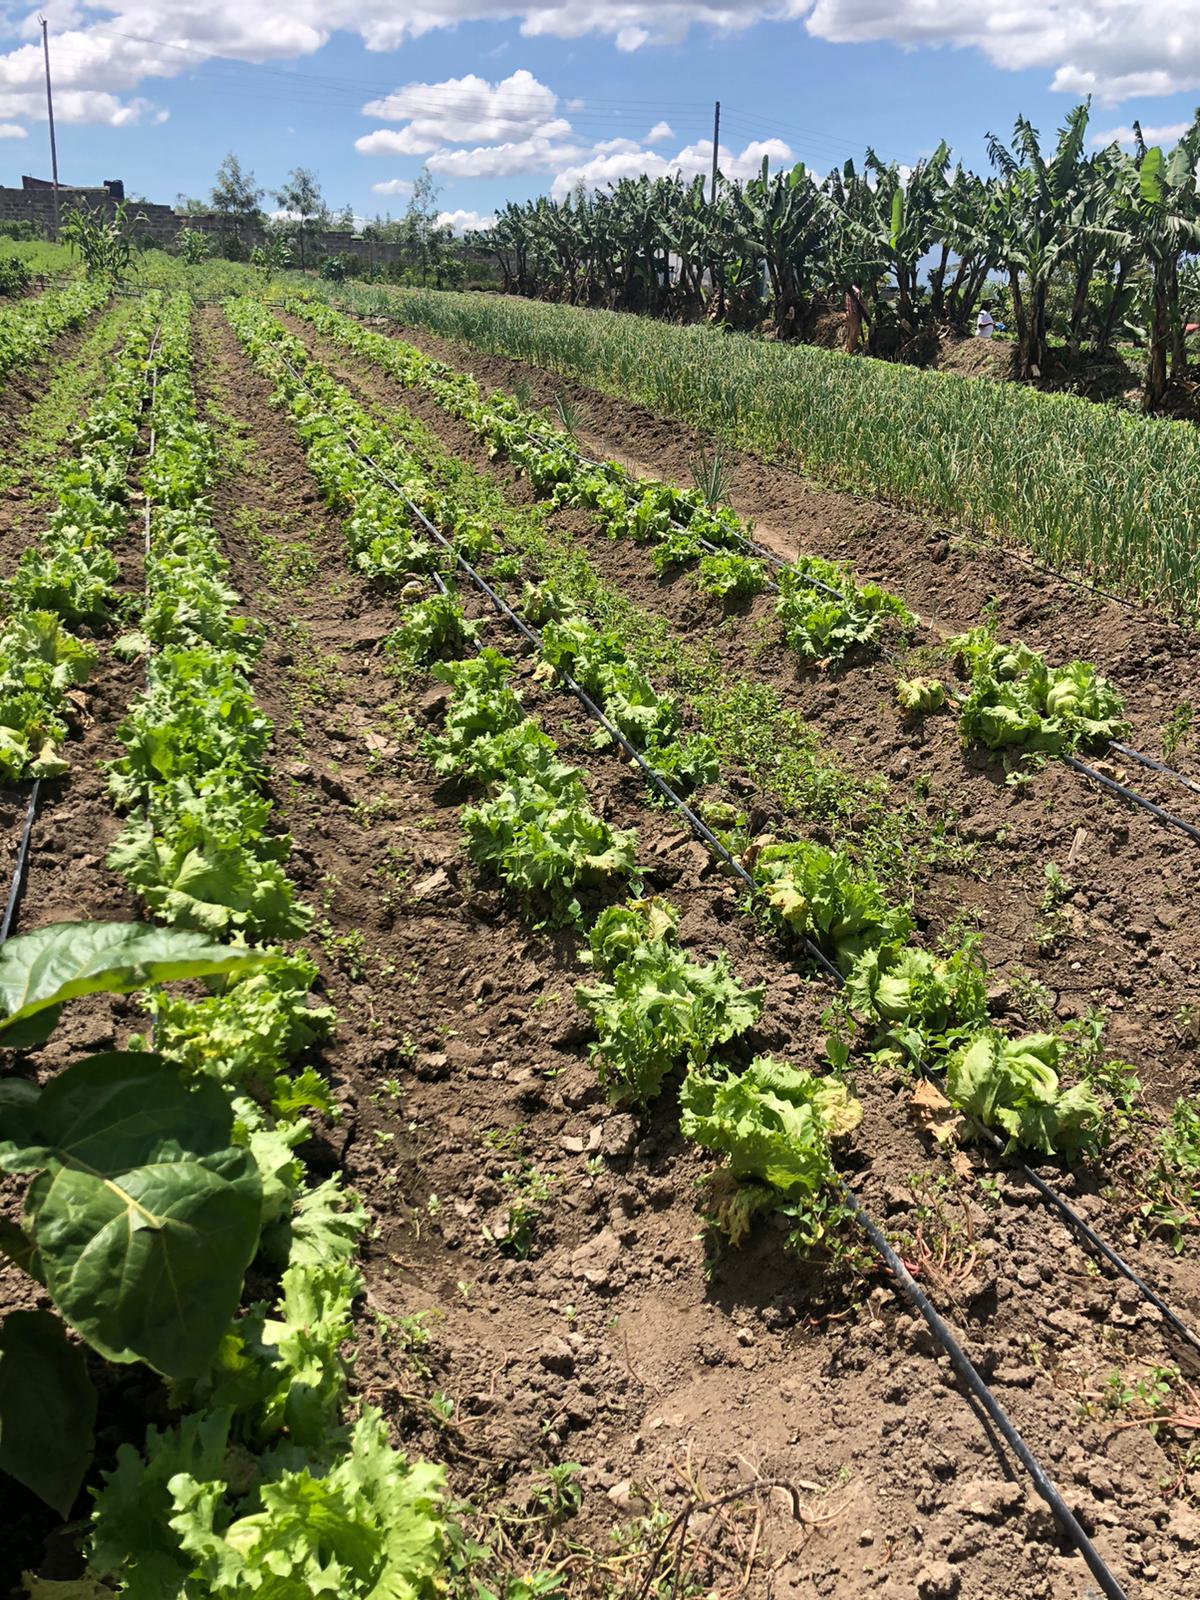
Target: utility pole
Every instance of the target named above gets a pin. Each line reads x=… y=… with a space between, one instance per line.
x=50 y=116
x=712 y=193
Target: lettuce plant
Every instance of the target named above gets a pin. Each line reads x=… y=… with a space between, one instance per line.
x=1015 y=699
x=817 y=893
x=657 y=1009
x=774 y=1125
x=1012 y=1085
x=823 y=625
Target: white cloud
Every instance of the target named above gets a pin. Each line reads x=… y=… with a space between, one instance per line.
x=13 y=130
x=660 y=130
x=1168 y=133
x=461 y=222
x=510 y=126
x=469 y=110
x=397 y=186
x=614 y=159
x=394 y=142
x=1100 y=47
x=538 y=154
x=1104 y=47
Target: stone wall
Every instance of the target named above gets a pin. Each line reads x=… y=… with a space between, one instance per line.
x=162 y=224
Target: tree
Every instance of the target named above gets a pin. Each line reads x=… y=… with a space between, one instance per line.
x=1158 y=221
x=302 y=199
x=420 y=233
x=235 y=198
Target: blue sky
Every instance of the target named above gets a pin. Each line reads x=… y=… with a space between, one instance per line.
x=514 y=99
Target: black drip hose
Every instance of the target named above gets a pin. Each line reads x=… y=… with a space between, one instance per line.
x=1155 y=764
x=940 y=1329
x=979 y=1389
x=18 y=877
x=1088 y=1233
x=1126 y=793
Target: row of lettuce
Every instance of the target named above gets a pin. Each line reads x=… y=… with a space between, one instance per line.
x=919 y=1006
x=165 y=1172
x=66 y=582
x=1011 y=699
x=27 y=327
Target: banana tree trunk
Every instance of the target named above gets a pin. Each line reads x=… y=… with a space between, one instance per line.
x=1160 y=336
x=1179 y=359
x=1079 y=300
x=1110 y=316
x=1024 y=324
x=937 y=285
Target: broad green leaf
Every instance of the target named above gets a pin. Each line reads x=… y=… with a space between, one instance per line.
x=143 y=1215
x=1150 y=176
x=39 y=971
x=47 y=1408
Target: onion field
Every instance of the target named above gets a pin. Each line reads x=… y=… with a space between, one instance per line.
x=1083 y=487
x=573 y=1029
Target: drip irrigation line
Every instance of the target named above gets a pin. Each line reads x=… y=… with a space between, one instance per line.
x=18 y=877
x=969 y=1375
x=1127 y=793
x=1155 y=765
x=1088 y=1233
x=904 y=1280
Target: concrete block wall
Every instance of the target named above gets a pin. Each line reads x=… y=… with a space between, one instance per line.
x=163 y=224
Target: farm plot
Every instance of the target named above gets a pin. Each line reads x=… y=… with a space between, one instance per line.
x=578 y=1160
x=964 y=838
x=376 y=553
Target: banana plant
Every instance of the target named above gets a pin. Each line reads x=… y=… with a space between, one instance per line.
x=1034 y=217
x=1159 y=221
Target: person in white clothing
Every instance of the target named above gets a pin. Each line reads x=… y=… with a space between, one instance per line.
x=985 y=323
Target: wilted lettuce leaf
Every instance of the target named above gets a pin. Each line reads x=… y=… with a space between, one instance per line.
x=773 y=1123
x=1012 y=1085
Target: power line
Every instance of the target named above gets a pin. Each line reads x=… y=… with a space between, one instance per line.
x=378 y=90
